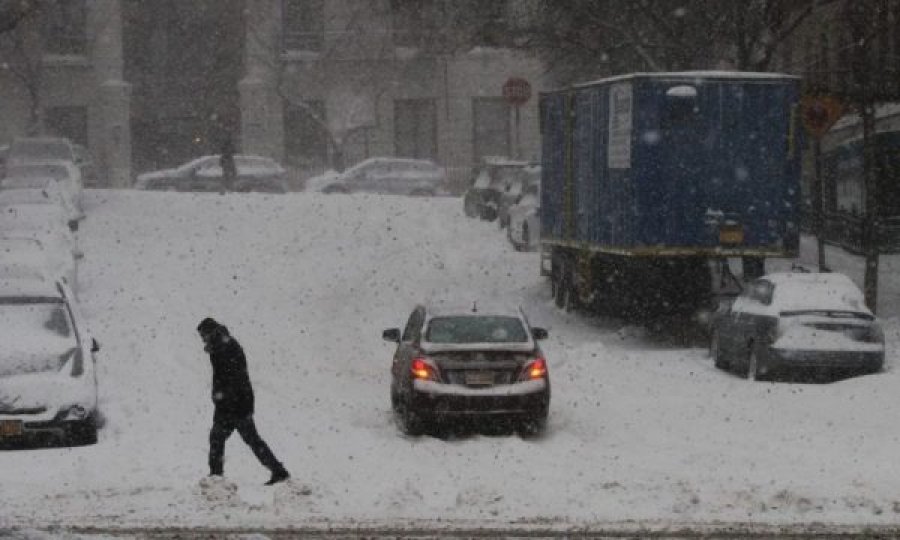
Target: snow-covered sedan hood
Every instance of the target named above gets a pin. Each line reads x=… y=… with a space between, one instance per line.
x=31 y=356
x=45 y=393
x=156 y=175
x=36 y=376
x=318 y=183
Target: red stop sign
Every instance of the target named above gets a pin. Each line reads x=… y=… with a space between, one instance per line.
x=517 y=90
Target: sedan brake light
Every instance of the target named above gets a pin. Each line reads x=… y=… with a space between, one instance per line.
x=534 y=370
x=423 y=370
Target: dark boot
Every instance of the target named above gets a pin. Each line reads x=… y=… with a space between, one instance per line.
x=278 y=475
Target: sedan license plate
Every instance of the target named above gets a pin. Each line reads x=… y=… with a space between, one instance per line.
x=10 y=428
x=480 y=378
x=731 y=235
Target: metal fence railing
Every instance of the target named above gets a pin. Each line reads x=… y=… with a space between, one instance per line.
x=846 y=230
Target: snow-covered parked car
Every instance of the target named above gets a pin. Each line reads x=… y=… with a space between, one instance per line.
x=524 y=229
x=40 y=190
x=48 y=378
x=389 y=176
x=525 y=180
x=65 y=172
x=496 y=184
x=468 y=362
x=40 y=149
x=45 y=223
x=798 y=322
x=321 y=181
x=25 y=256
x=254 y=173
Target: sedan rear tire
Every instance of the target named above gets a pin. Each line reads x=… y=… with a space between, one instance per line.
x=715 y=351
x=754 y=373
x=532 y=426
x=410 y=422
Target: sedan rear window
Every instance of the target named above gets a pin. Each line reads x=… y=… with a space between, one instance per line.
x=476 y=329
x=35 y=170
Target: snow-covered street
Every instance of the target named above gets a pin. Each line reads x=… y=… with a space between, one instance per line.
x=642 y=431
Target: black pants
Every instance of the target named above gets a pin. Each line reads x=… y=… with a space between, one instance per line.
x=223 y=425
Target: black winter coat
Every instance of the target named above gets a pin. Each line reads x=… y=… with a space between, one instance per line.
x=231 y=390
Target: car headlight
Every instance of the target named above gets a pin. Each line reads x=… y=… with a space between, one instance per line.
x=75 y=412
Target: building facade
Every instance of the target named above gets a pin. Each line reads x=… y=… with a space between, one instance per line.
x=331 y=82
x=846 y=51
x=312 y=83
x=61 y=72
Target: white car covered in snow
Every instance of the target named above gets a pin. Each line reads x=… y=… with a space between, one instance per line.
x=524 y=230
x=48 y=378
x=28 y=257
x=40 y=190
x=65 y=172
x=388 y=176
x=254 y=173
x=798 y=322
x=45 y=223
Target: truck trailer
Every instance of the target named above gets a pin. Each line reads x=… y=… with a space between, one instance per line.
x=649 y=180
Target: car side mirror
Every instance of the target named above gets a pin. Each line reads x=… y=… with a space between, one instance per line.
x=95 y=346
x=539 y=333
x=391 y=334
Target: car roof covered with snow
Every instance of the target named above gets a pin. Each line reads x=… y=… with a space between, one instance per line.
x=28 y=182
x=28 y=287
x=798 y=291
x=474 y=308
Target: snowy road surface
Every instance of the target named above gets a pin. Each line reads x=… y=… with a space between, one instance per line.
x=642 y=431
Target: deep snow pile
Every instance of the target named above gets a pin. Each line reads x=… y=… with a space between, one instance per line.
x=640 y=429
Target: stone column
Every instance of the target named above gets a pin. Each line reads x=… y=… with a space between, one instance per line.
x=262 y=129
x=111 y=140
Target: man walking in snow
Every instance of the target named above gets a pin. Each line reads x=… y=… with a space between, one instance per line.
x=233 y=399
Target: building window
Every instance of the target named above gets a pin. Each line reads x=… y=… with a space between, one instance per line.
x=415 y=128
x=490 y=118
x=70 y=122
x=65 y=29
x=494 y=30
x=305 y=139
x=412 y=21
x=303 y=25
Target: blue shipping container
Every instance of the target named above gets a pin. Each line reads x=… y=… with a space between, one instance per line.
x=695 y=163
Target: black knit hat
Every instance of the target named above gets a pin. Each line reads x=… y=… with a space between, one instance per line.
x=207 y=326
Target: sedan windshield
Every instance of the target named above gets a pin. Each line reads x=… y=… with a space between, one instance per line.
x=476 y=329
x=41 y=150
x=38 y=170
